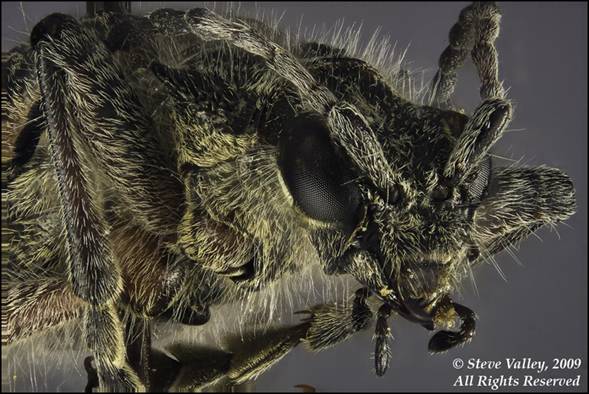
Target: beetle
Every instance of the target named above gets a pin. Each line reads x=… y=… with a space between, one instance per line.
x=159 y=183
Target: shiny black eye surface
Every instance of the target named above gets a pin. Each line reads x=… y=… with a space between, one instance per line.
x=317 y=175
x=478 y=186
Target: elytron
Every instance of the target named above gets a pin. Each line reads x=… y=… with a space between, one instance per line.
x=155 y=168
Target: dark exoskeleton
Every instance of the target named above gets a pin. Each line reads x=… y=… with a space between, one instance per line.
x=159 y=166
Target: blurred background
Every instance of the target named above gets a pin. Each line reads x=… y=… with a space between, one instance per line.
x=537 y=306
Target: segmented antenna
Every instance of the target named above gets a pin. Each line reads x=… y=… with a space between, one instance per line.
x=475 y=33
x=120 y=7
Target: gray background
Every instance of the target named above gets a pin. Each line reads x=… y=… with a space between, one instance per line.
x=540 y=311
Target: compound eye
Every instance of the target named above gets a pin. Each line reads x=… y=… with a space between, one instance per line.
x=478 y=187
x=317 y=175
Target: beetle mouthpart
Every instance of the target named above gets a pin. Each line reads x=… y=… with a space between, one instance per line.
x=382 y=334
x=445 y=340
x=415 y=309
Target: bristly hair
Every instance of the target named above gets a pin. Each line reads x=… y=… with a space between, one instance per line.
x=243 y=170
